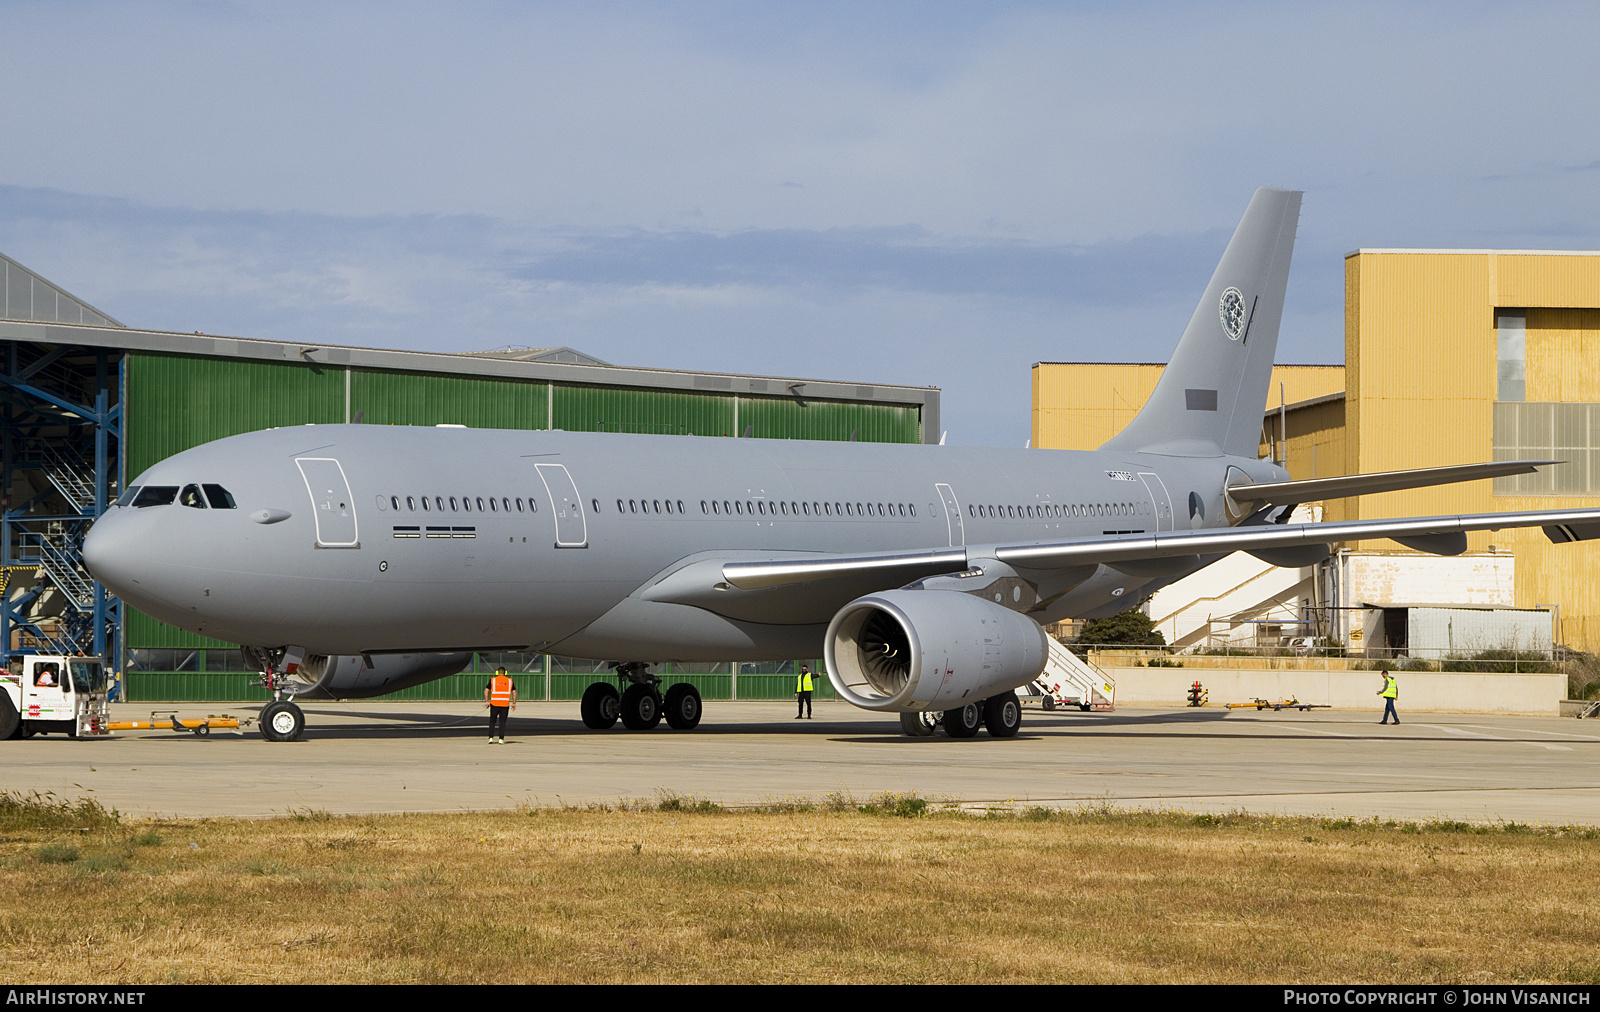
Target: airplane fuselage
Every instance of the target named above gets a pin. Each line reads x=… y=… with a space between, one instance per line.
x=347 y=539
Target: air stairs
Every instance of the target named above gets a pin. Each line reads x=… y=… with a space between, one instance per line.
x=1068 y=680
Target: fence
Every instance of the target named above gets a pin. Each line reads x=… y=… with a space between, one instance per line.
x=216 y=676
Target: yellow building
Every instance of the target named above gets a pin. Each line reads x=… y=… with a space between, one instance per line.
x=1451 y=357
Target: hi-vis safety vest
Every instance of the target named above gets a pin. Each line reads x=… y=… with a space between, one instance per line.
x=500 y=690
x=1391 y=688
x=803 y=683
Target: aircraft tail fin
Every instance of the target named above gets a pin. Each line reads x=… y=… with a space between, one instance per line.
x=1211 y=395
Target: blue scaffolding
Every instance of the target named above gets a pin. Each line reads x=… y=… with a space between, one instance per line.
x=60 y=466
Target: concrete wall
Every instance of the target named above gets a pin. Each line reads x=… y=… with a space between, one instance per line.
x=1420 y=691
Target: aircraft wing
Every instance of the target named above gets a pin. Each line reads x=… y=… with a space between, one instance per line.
x=1442 y=535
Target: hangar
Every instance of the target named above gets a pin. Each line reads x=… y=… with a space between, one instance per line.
x=90 y=402
x=1451 y=357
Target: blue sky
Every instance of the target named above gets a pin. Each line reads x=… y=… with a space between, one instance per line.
x=914 y=193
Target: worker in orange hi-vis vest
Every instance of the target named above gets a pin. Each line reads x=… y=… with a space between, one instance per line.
x=500 y=696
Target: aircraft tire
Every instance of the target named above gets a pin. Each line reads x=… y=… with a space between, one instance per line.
x=601 y=705
x=683 y=706
x=963 y=721
x=1002 y=715
x=641 y=707
x=10 y=720
x=920 y=723
x=281 y=720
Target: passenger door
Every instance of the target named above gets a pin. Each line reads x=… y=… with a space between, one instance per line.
x=572 y=527
x=952 y=515
x=331 y=502
x=1159 y=499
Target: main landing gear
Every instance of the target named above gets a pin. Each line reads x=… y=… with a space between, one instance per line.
x=1001 y=715
x=639 y=703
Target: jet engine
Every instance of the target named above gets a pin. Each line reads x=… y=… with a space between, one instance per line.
x=908 y=650
x=361 y=677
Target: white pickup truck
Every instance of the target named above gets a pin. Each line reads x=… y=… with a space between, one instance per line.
x=41 y=693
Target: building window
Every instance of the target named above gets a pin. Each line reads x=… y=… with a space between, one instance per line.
x=1535 y=430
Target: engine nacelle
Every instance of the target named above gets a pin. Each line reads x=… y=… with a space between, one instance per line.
x=907 y=650
x=350 y=677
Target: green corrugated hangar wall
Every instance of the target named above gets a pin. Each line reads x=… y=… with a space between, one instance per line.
x=174 y=402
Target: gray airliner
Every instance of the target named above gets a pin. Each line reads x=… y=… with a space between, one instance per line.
x=353 y=561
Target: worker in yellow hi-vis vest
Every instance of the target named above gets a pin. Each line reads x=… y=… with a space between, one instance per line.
x=500 y=696
x=802 y=693
x=1390 y=692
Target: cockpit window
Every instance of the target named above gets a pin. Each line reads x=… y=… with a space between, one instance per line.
x=128 y=495
x=190 y=496
x=155 y=495
x=219 y=497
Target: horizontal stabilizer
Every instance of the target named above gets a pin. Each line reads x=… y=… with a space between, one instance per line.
x=1293 y=493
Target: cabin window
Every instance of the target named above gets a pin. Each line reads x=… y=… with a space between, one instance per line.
x=394 y=501
x=680 y=505
x=453 y=506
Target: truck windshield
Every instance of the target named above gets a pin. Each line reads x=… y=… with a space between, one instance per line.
x=87 y=676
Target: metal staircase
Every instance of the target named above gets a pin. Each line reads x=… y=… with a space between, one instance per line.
x=1068 y=680
x=66 y=475
x=52 y=545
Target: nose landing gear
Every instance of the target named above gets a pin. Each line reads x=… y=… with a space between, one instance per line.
x=281 y=720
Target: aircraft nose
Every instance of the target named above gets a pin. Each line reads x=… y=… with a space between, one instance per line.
x=113 y=555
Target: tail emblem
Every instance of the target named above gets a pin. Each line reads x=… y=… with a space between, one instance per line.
x=1232 y=310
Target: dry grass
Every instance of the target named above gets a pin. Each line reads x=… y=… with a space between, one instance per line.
x=681 y=890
